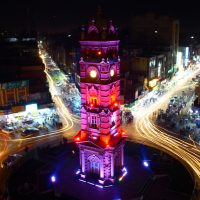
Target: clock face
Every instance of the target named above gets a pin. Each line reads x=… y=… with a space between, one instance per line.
x=112 y=72
x=93 y=73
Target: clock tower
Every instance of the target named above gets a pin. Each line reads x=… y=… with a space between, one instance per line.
x=101 y=139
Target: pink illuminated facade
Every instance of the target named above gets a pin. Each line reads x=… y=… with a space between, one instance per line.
x=101 y=139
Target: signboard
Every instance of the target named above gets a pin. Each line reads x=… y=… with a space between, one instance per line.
x=16 y=109
x=32 y=108
x=14 y=84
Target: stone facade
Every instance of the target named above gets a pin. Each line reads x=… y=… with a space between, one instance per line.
x=100 y=139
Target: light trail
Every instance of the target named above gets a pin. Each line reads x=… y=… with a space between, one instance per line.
x=160 y=138
x=4 y=144
x=146 y=131
x=70 y=123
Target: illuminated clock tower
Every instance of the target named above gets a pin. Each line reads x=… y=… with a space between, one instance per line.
x=101 y=139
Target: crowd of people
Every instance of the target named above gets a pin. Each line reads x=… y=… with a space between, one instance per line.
x=180 y=118
x=41 y=122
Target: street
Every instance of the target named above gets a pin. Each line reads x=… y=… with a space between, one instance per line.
x=142 y=130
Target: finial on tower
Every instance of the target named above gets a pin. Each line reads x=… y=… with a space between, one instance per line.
x=102 y=60
x=111 y=28
x=81 y=59
x=92 y=27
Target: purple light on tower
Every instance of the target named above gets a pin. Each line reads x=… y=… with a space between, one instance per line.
x=101 y=139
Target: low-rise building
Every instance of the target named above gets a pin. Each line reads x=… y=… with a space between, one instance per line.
x=22 y=73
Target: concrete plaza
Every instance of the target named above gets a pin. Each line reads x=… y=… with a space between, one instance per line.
x=32 y=179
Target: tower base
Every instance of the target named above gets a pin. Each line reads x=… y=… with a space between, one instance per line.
x=101 y=166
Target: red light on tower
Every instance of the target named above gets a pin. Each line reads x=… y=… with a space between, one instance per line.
x=77 y=139
x=115 y=104
x=91 y=105
x=99 y=53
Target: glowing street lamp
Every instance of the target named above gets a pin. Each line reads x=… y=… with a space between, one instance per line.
x=53 y=179
x=145 y=163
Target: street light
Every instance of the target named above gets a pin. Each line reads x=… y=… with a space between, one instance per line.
x=146 y=163
x=53 y=179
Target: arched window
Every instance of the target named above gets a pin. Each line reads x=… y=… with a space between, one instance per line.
x=93 y=100
x=94 y=165
x=93 y=121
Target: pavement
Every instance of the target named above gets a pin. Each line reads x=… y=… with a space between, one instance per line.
x=164 y=179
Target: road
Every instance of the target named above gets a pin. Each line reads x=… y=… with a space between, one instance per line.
x=71 y=125
x=143 y=130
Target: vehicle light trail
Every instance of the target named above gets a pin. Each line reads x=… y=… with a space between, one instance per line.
x=160 y=138
x=4 y=144
x=146 y=131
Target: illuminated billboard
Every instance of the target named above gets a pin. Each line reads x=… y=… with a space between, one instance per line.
x=31 y=108
x=14 y=84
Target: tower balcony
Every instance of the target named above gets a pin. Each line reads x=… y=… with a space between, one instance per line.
x=102 y=81
x=111 y=60
x=93 y=108
x=98 y=108
x=91 y=59
x=102 y=140
x=94 y=126
x=114 y=106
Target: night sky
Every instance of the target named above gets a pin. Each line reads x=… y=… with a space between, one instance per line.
x=63 y=15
